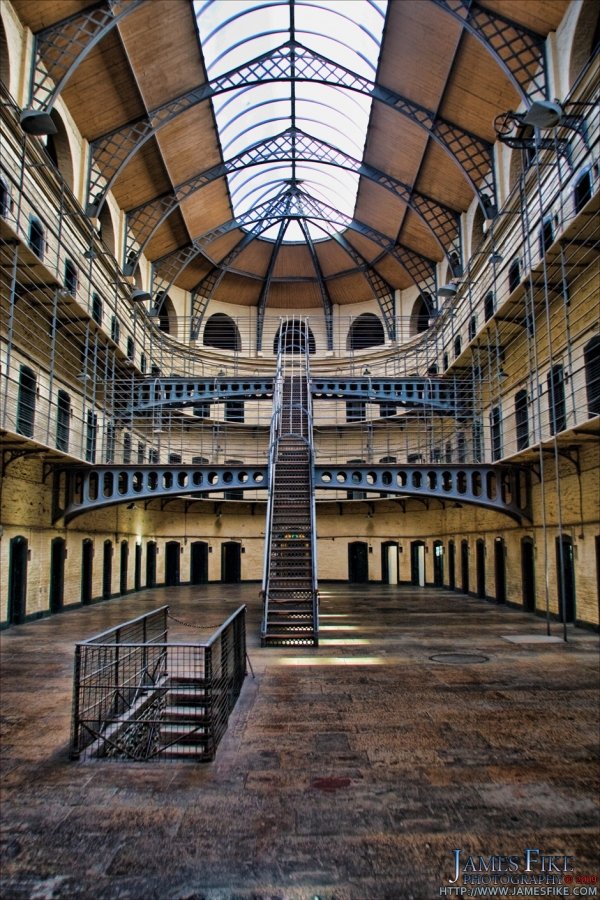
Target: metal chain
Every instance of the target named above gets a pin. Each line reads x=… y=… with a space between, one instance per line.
x=190 y=624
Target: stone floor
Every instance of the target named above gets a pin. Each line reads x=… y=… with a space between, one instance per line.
x=351 y=771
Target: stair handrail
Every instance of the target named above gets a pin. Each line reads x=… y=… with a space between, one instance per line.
x=311 y=465
x=274 y=435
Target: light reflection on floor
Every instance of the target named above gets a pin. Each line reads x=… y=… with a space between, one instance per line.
x=332 y=661
x=343 y=642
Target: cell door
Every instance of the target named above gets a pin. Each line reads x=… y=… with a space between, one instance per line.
x=464 y=566
x=172 y=562
x=358 y=562
x=500 y=570
x=87 y=555
x=528 y=574
x=137 y=572
x=438 y=564
x=199 y=563
x=231 y=562
x=565 y=576
x=451 y=565
x=480 y=563
x=151 y=564
x=123 y=567
x=417 y=563
x=17 y=580
x=57 y=574
x=107 y=570
x=389 y=563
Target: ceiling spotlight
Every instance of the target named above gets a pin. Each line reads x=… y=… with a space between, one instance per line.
x=140 y=296
x=447 y=290
x=37 y=122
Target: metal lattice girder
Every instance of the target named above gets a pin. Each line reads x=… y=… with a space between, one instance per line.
x=266 y=287
x=291 y=62
x=178 y=392
x=427 y=393
x=204 y=290
x=60 y=48
x=382 y=291
x=291 y=145
x=519 y=51
x=493 y=487
x=97 y=486
x=325 y=297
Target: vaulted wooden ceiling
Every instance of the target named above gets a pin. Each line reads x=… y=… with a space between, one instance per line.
x=432 y=69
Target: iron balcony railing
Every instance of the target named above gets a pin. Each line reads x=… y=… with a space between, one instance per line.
x=137 y=696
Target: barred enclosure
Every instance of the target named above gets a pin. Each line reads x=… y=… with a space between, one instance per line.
x=138 y=697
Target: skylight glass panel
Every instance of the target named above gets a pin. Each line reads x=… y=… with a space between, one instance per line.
x=272 y=100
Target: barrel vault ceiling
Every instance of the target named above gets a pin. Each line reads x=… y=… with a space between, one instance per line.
x=143 y=98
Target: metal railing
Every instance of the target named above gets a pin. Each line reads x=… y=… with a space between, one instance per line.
x=138 y=697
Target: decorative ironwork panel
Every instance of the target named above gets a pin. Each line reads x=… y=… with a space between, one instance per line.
x=291 y=61
x=60 y=48
x=518 y=51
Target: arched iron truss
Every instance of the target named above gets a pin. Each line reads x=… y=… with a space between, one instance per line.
x=292 y=62
x=60 y=48
x=294 y=203
x=292 y=144
x=79 y=490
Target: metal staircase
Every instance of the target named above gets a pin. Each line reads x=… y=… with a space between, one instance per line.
x=290 y=614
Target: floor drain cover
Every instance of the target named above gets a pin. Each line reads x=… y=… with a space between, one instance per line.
x=459 y=659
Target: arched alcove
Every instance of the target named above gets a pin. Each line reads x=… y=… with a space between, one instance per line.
x=58 y=148
x=420 y=315
x=107 y=229
x=365 y=331
x=221 y=331
x=167 y=317
x=293 y=336
x=4 y=58
x=585 y=39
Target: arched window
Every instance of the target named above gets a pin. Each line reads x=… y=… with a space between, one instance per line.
x=222 y=332
x=71 y=277
x=583 y=190
x=557 y=406
x=26 y=402
x=420 y=315
x=489 y=305
x=457 y=346
x=59 y=150
x=472 y=327
x=546 y=235
x=514 y=275
x=63 y=421
x=167 y=318
x=292 y=336
x=90 y=436
x=522 y=419
x=4 y=58
x=365 y=331
x=496 y=433
x=5 y=199
x=107 y=229
x=36 y=236
x=591 y=354
x=97 y=309
x=585 y=40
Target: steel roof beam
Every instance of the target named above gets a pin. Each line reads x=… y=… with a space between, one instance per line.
x=291 y=144
x=111 y=153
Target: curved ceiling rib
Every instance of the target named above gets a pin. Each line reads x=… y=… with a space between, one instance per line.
x=289 y=63
x=143 y=221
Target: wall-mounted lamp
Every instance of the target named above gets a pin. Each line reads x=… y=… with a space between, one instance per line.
x=496 y=258
x=37 y=122
x=140 y=296
x=447 y=290
x=132 y=506
x=366 y=371
x=83 y=376
x=541 y=114
x=502 y=376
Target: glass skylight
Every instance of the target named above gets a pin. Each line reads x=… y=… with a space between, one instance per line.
x=236 y=32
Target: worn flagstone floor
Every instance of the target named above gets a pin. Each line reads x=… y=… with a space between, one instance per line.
x=348 y=772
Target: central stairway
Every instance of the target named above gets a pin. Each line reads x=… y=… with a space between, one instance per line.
x=290 y=614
